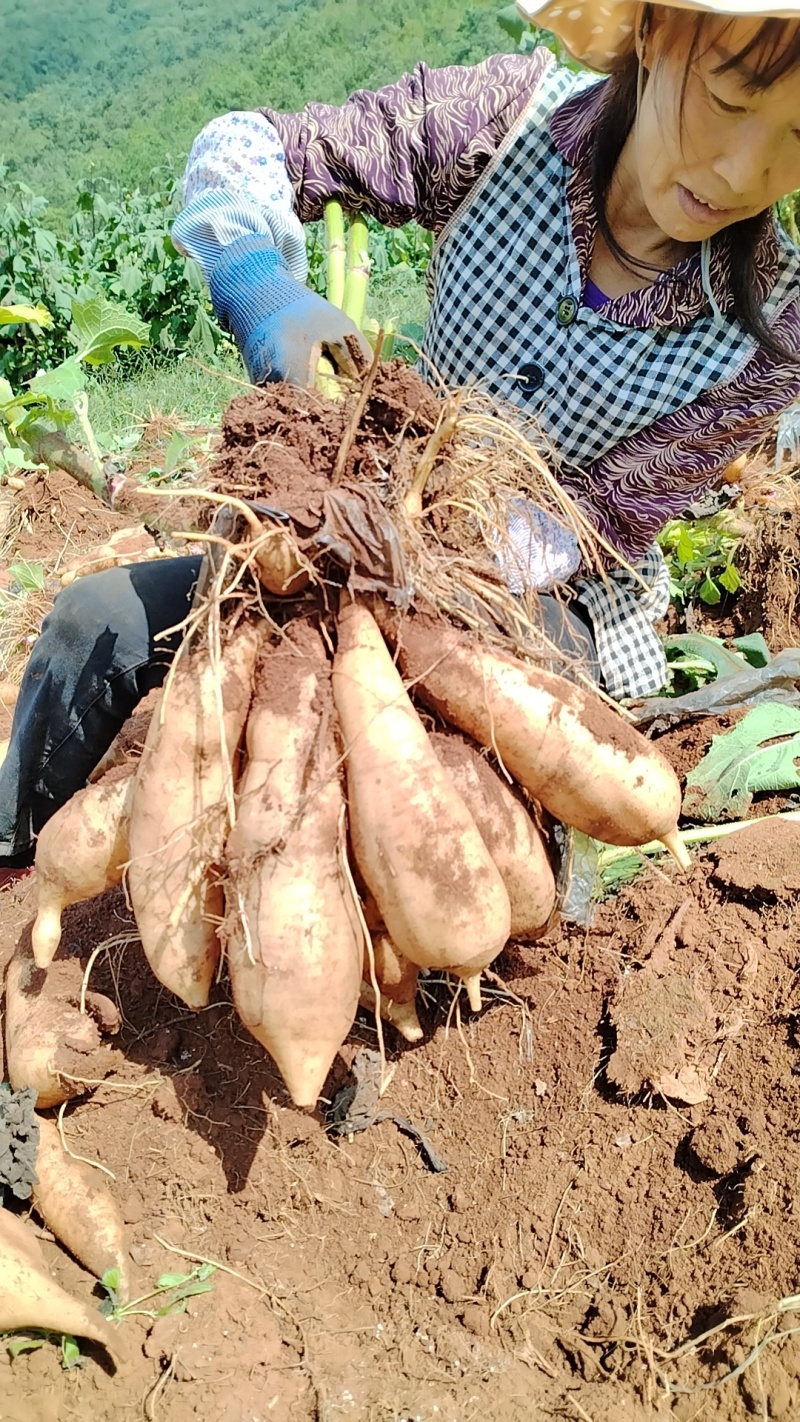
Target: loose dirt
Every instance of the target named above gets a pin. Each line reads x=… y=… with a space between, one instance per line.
x=588 y=1227
x=620 y=1130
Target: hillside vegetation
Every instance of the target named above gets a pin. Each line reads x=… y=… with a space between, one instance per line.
x=112 y=88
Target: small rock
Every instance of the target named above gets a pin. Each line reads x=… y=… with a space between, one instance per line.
x=133 y=1208
x=165 y=1336
x=403 y=1271
x=475 y=1319
x=718 y=1145
x=452 y=1286
x=142 y=1254
x=362 y=1273
x=408 y=1210
x=165 y=1103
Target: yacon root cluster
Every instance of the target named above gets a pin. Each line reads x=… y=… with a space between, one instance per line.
x=292 y=808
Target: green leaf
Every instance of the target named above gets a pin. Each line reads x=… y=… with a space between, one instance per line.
x=172 y=1281
x=709 y=592
x=729 y=579
x=6 y=393
x=199 y=1286
x=71 y=1356
x=16 y=1346
x=99 y=326
x=753 y=648
x=62 y=383
x=684 y=548
x=30 y=577
x=13 y=315
x=762 y=752
x=177 y=448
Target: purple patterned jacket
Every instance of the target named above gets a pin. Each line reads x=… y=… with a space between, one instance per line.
x=415 y=149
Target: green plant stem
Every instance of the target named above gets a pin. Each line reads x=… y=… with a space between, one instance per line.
x=336 y=250
x=357 y=278
x=699 y=835
x=81 y=404
x=57 y=452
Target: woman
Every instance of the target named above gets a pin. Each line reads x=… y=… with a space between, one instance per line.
x=607 y=260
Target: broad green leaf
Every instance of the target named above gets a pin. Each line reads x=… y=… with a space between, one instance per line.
x=684 y=548
x=111 y=1280
x=29 y=576
x=172 y=1281
x=730 y=579
x=178 y=447
x=62 y=383
x=99 y=326
x=71 y=1356
x=753 y=648
x=762 y=752
x=709 y=592
x=6 y=393
x=14 y=315
x=16 y=1346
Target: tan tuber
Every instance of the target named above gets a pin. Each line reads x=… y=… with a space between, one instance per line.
x=179 y=814
x=293 y=944
x=416 y=845
x=569 y=749
x=80 y=853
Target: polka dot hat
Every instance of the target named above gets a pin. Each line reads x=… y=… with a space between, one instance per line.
x=596 y=31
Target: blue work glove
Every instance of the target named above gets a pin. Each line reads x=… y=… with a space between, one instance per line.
x=280 y=327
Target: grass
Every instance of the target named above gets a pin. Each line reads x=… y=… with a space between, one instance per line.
x=398 y=295
x=122 y=401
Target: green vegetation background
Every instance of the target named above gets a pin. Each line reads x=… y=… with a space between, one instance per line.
x=113 y=88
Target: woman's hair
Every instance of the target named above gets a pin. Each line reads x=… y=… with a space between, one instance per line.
x=772 y=52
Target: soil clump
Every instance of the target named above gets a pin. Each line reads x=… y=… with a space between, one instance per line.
x=586 y=1229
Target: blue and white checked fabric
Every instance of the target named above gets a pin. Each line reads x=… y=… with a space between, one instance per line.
x=507 y=313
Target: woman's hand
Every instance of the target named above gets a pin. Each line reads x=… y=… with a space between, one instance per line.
x=280 y=327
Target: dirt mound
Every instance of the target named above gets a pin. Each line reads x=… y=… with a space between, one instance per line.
x=54 y=517
x=580 y=1243
x=769 y=563
x=281 y=445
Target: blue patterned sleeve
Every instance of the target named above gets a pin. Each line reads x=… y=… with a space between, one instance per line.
x=235 y=185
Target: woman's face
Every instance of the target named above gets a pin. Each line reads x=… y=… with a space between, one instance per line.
x=736 y=150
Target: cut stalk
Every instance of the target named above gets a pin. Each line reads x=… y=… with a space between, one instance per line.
x=335 y=259
x=357 y=278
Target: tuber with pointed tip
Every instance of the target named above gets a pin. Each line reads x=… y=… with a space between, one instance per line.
x=397 y=982
x=417 y=847
x=51 y=1045
x=291 y=932
x=570 y=750
x=80 y=853
x=30 y=1298
x=179 y=813
x=507 y=830
x=76 y=1204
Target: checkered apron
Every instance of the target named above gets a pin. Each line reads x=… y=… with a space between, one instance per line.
x=506 y=317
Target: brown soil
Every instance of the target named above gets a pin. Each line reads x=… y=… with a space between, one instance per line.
x=687 y=743
x=58 y=518
x=593 y=1224
x=281 y=445
x=580 y=1236
x=769 y=563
